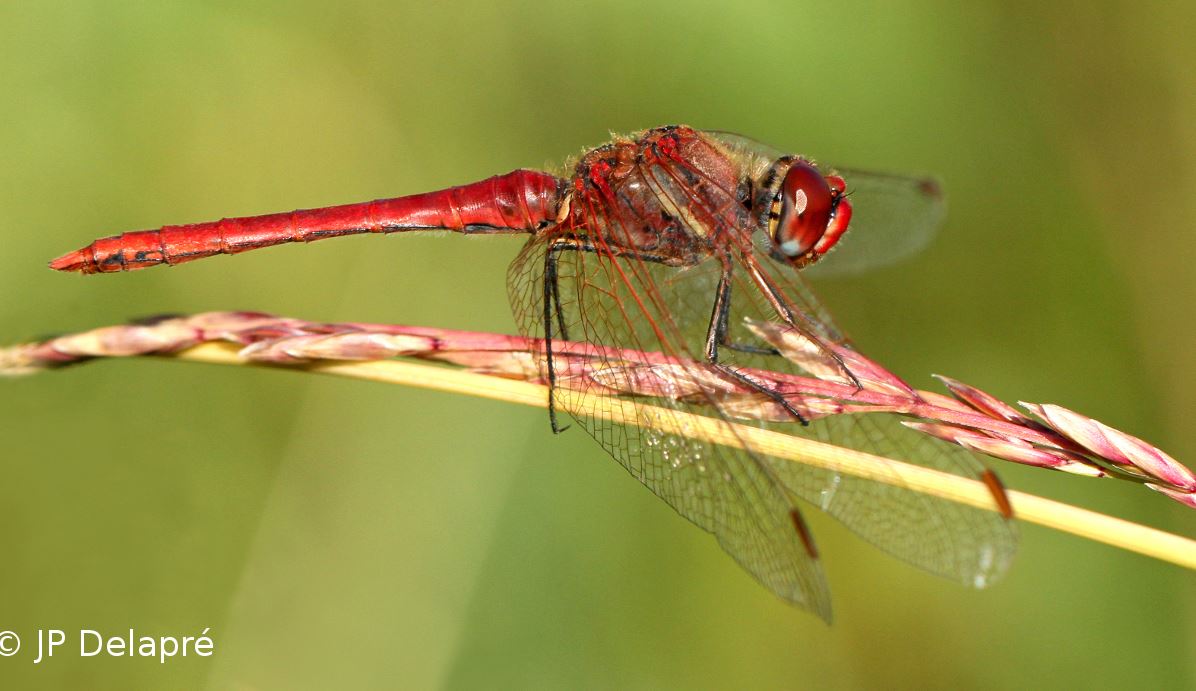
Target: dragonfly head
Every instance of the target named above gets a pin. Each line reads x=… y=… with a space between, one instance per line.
x=808 y=211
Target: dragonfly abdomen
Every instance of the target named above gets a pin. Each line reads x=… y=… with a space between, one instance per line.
x=519 y=202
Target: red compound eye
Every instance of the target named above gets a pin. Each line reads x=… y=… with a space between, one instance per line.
x=838 y=225
x=813 y=213
x=806 y=204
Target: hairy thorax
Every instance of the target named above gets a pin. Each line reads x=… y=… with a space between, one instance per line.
x=670 y=192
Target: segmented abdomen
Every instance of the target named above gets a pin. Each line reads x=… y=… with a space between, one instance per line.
x=520 y=201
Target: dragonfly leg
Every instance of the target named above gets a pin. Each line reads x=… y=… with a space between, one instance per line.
x=717 y=335
x=747 y=348
x=552 y=306
x=786 y=313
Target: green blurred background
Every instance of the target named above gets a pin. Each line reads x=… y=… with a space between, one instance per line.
x=338 y=534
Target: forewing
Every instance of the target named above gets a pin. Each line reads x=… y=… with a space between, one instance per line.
x=960 y=542
x=633 y=303
x=967 y=544
x=893 y=218
x=621 y=302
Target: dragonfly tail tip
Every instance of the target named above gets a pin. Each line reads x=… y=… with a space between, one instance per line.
x=71 y=261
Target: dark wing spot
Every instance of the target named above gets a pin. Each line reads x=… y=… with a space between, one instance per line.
x=803 y=532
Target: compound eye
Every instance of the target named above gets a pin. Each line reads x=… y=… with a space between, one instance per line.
x=806 y=202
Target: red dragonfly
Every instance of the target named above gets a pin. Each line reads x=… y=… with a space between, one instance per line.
x=668 y=241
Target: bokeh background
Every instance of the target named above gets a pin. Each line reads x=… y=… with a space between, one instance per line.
x=339 y=534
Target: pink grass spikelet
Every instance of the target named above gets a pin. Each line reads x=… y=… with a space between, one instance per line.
x=1063 y=440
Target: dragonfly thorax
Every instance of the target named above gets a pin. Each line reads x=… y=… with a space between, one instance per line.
x=668 y=193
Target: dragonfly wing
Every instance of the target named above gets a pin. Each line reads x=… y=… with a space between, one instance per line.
x=724 y=490
x=741 y=143
x=746 y=498
x=959 y=542
x=966 y=544
x=893 y=218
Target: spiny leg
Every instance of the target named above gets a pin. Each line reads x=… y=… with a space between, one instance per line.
x=783 y=310
x=717 y=335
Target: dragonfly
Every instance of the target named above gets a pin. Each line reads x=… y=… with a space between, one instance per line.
x=671 y=241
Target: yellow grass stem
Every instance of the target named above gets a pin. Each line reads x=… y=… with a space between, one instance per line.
x=1030 y=508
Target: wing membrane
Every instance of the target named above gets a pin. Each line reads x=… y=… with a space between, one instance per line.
x=893 y=218
x=744 y=497
x=962 y=543
x=726 y=491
